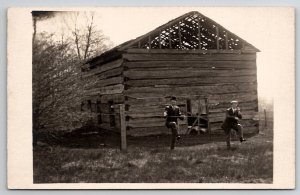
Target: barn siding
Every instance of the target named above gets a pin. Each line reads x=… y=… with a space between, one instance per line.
x=219 y=77
x=105 y=83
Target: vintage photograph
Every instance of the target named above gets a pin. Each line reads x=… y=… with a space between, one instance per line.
x=126 y=96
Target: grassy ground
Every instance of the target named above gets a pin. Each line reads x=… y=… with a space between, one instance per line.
x=92 y=159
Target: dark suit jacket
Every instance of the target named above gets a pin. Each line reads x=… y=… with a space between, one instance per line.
x=173 y=112
x=230 y=119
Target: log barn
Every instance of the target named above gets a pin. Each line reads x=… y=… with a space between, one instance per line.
x=191 y=57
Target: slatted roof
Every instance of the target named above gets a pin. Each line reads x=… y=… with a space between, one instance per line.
x=191 y=31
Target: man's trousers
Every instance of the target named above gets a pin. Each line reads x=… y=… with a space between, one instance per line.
x=174 y=128
x=237 y=127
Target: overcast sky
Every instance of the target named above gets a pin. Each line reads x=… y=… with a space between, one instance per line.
x=268 y=29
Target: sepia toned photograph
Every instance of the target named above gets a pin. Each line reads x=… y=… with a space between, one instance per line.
x=155 y=95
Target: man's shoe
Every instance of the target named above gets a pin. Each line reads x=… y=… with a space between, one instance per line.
x=178 y=138
x=242 y=139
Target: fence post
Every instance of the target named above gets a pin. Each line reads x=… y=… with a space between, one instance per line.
x=123 y=128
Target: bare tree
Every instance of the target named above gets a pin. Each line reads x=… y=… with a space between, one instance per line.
x=89 y=40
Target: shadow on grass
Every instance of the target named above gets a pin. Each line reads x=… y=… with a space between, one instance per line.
x=108 y=139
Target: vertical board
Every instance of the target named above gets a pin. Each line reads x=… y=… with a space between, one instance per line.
x=123 y=128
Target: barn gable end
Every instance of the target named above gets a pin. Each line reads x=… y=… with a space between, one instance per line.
x=191 y=31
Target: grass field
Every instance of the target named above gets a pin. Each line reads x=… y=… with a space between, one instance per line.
x=94 y=160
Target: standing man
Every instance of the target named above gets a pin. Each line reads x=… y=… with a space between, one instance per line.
x=172 y=112
x=233 y=115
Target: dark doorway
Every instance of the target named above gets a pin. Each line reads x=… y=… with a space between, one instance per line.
x=99 y=118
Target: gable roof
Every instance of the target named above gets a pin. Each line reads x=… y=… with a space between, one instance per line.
x=188 y=32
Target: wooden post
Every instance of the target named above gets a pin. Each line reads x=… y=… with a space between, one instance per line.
x=207 y=115
x=159 y=39
x=149 y=40
x=179 y=34
x=226 y=40
x=139 y=45
x=217 y=34
x=199 y=113
x=199 y=33
x=170 y=40
x=123 y=128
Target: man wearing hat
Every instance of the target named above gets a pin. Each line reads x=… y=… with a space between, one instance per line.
x=233 y=115
x=172 y=112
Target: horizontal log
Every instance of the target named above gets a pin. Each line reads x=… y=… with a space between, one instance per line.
x=143 y=125
x=213 y=104
x=245 y=113
x=153 y=74
x=109 y=81
x=191 y=81
x=152 y=105
x=116 y=98
x=243 y=96
x=209 y=89
x=96 y=83
x=135 y=115
x=112 y=89
x=219 y=117
x=102 y=68
x=155 y=111
x=189 y=57
x=242 y=107
x=110 y=73
x=225 y=104
x=149 y=122
x=153 y=100
x=153 y=108
x=197 y=51
x=145 y=103
x=213 y=98
x=190 y=64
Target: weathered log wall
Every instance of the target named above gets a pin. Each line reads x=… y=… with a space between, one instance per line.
x=103 y=86
x=149 y=78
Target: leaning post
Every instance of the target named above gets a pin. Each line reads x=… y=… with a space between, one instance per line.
x=123 y=128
